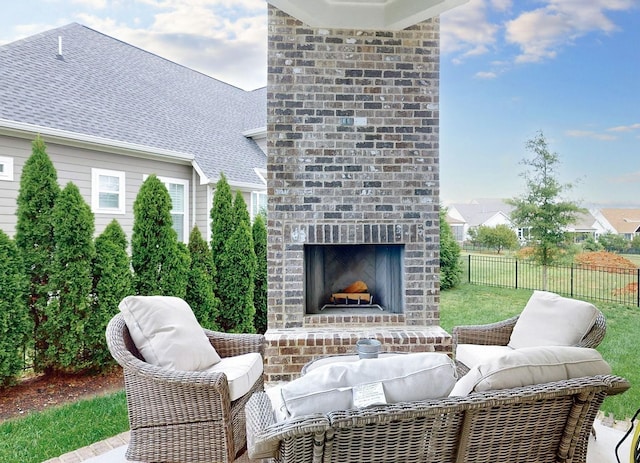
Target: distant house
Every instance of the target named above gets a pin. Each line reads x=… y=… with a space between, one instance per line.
x=625 y=222
x=463 y=217
x=111 y=114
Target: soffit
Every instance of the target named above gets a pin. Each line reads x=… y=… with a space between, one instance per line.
x=364 y=14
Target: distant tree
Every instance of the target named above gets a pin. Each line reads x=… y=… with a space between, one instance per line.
x=541 y=208
x=473 y=236
x=39 y=190
x=112 y=282
x=613 y=242
x=70 y=285
x=499 y=237
x=591 y=245
x=450 y=266
x=15 y=324
x=260 y=290
x=634 y=245
x=154 y=243
x=201 y=282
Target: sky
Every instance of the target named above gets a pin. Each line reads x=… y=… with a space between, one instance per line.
x=509 y=70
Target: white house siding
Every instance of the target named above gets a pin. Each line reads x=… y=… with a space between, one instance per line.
x=201 y=209
x=9 y=148
x=75 y=164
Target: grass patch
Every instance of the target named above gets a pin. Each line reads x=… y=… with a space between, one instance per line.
x=51 y=433
x=475 y=305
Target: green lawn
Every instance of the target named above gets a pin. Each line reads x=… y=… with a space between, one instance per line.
x=49 y=434
x=472 y=304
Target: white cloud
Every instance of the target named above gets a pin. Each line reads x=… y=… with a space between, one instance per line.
x=540 y=33
x=631 y=177
x=590 y=134
x=95 y=4
x=501 y=5
x=624 y=128
x=466 y=29
x=221 y=38
x=486 y=75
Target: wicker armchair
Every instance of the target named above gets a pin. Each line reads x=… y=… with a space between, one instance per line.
x=547 y=422
x=182 y=415
x=499 y=334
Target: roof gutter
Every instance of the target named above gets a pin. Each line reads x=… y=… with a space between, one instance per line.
x=258 y=132
x=80 y=140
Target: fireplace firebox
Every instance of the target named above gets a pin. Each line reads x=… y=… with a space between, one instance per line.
x=373 y=271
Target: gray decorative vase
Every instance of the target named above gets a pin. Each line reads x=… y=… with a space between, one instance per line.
x=368 y=348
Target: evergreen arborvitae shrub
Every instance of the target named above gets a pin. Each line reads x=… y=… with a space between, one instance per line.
x=450 y=266
x=260 y=290
x=112 y=281
x=240 y=210
x=201 y=282
x=236 y=282
x=154 y=241
x=70 y=284
x=39 y=190
x=178 y=272
x=15 y=323
x=222 y=218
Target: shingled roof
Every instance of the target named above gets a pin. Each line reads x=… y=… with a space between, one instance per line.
x=102 y=87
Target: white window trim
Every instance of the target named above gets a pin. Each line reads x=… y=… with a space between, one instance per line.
x=253 y=206
x=95 y=191
x=7 y=173
x=185 y=183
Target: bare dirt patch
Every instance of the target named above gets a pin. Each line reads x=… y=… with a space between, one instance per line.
x=614 y=262
x=42 y=392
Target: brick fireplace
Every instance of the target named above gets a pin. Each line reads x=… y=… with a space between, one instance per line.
x=353 y=122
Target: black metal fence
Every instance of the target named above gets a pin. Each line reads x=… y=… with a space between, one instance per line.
x=612 y=284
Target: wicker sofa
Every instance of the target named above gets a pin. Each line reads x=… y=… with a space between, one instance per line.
x=547 y=422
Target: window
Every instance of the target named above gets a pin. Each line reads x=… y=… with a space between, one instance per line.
x=6 y=169
x=258 y=203
x=178 y=191
x=107 y=191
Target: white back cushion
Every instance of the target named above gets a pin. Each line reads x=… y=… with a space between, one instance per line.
x=532 y=365
x=404 y=378
x=552 y=320
x=167 y=333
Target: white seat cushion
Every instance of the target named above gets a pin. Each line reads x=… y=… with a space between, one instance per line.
x=532 y=365
x=404 y=378
x=474 y=354
x=167 y=333
x=242 y=372
x=552 y=320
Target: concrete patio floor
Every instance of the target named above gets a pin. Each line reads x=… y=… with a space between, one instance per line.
x=601 y=448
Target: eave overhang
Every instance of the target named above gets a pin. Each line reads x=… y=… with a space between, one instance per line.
x=377 y=15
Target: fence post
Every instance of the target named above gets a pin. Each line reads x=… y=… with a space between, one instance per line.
x=469 y=269
x=571 y=280
x=516 y=285
x=638 y=287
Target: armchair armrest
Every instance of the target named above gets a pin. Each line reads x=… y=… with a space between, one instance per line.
x=492 y=334
x=232 y=344
x=264 y=434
